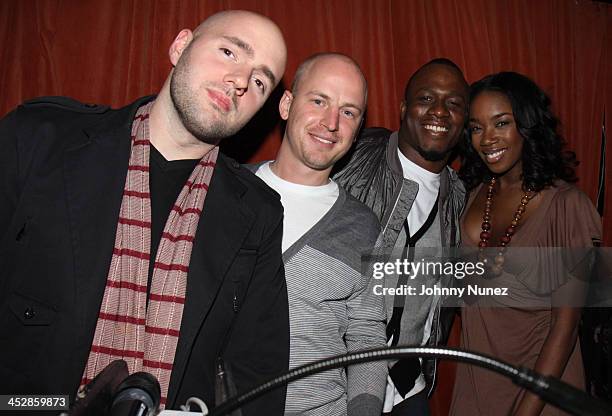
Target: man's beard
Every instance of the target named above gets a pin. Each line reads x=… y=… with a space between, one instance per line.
x=433 y=155
x=202 y=124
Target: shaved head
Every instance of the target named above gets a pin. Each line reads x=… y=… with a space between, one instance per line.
x=233 y=17
x=310 y=61
x=324 y=111
x=433 y=114
x=224 y=71
x=437 y=61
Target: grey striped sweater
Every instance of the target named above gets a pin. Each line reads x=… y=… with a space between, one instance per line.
x=333 y=311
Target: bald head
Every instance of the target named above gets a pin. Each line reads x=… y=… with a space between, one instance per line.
x=250 y=23
x=445 y=62
x=226 y=16
x=433 y=114
x=224 y=71
x=306 y=66
x=324 y=111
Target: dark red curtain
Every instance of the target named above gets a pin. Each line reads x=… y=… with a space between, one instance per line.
x=113 y=51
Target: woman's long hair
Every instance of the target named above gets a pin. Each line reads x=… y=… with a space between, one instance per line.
x=543 y=158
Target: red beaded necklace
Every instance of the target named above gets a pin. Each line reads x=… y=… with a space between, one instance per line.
x=485 y=235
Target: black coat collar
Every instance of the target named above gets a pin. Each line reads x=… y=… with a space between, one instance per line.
x=95 y=168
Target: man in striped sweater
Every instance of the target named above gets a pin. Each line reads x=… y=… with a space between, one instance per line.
x=332 y=307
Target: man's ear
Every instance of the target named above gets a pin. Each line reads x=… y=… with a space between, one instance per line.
x=285 y=104
x=402 y=109
x=182 y=40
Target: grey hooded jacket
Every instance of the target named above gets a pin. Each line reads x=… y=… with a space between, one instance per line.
x=373 y=174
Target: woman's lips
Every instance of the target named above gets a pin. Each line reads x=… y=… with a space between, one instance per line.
x=494 y=156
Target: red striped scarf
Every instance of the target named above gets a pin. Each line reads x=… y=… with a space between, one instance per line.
x=146 y=338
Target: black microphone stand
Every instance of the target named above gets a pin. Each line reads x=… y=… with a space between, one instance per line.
x=549 y=389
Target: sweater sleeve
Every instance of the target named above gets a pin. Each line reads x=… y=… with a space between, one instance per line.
x=366 y=330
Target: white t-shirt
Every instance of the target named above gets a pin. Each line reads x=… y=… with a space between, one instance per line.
x=304 y=205
x=429 y=185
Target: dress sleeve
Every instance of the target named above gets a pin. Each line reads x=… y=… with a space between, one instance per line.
x=574 y=221
x=564 y=253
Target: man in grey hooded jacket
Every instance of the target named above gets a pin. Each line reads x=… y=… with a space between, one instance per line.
x=403 y=176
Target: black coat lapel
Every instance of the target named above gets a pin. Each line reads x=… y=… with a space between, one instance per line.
x=95 y=168
x=223 y=227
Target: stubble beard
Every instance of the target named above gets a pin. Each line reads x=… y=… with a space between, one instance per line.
x=202 y=124
x=429 y=155
x=317 y=163
x=312 y=158
x=433 y=155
